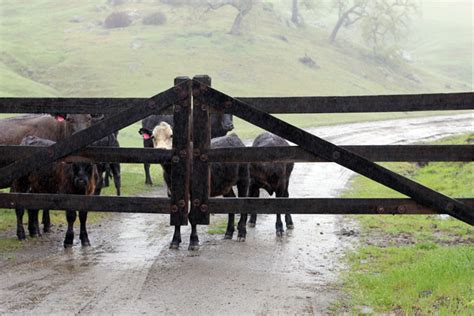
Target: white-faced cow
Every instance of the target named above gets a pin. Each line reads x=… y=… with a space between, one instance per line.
x=220 y=125
x=223 y=177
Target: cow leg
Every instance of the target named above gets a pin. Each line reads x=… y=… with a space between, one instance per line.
x=194 y=238
x=254 y=191
x=115 y=167
x=107 y=175
x=229 y=233
x=243 y=190
x=33 y=223
x=280 y=192
x=46 y=221
x=71 y=218
x=20 y=230
x=289 y=221
x=279 y=226
x=83 y=233
x=147 y=174
x=176 y=237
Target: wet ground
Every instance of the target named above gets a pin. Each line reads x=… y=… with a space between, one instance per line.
x=130 y=270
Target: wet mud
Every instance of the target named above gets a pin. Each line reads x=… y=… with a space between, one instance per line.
x=130 y=270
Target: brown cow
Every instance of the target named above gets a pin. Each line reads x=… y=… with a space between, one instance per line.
x=14 y=129
x=52 y=127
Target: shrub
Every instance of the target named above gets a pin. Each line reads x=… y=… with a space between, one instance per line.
x=117 y=19
x=156 y=18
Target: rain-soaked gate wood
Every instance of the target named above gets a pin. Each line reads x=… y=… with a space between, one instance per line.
x=190 y=167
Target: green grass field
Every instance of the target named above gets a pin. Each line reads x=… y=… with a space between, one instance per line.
x=414 y=264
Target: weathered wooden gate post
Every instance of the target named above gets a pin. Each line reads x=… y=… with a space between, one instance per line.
x=201 y=143
x=181 y=160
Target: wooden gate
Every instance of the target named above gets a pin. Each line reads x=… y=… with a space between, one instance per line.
x=196 y=97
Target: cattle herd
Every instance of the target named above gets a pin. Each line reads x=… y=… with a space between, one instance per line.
x=88 y=178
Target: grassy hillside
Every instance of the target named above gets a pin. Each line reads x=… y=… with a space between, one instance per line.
x=414 y=264
x=40 y=42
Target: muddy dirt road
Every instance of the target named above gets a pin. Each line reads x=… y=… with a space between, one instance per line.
x=130 y=270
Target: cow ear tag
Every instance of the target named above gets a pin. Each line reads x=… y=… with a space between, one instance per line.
x=146 y=136
x=59 y=118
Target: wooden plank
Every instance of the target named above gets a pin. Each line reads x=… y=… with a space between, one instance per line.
x=365 y=103
x=217 y=205
x=85 y=203
x=181 y=162
x=89 y=135
x=309 y=104
x=69 y=105
x=331 y=152
x=422 y=153
x=320 y=206
x=201 y=143
x=97 y=154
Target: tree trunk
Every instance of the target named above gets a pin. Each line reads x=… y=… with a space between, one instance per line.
x=295 y=15
x=338 y=26
x=243 y=11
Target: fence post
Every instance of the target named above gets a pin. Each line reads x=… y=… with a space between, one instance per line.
x=181 y=160
x=201 y=143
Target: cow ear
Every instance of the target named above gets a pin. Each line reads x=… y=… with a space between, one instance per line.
x=98 y=117
x=59 y=117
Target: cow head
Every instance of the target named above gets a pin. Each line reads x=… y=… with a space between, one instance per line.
x=83 y=176
x=227 y=123
x=74 y=122
x=146 y=133
x=163 y=136
x=221 y=124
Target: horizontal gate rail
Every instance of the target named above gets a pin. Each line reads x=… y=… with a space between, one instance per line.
x=86 y=137
x=331 y=152
x=420 y=153
x=69 y=105
x=218 y=205
x=85 y=203
x=96 y=154
x=320 y=206
x=372 y=103
x=323 y=104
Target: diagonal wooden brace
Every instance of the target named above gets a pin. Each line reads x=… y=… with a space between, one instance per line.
x=330 y=152
x=83 y=138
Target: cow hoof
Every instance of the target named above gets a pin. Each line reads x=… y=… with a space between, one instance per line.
x=252 y=225
x=227 y=236
x=21 y=235
x=174 y=245
x=149 y=183
x=291 y=226
x=85 y=243
x=241 y=239
x=67 y=245
x=279 y=234
x=46 y=230
x=193 y=247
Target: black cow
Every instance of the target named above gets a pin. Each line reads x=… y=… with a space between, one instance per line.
x=106 y=167
x=273 y=177
x=220 y=125
x=59 y=177
x=223 y=177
